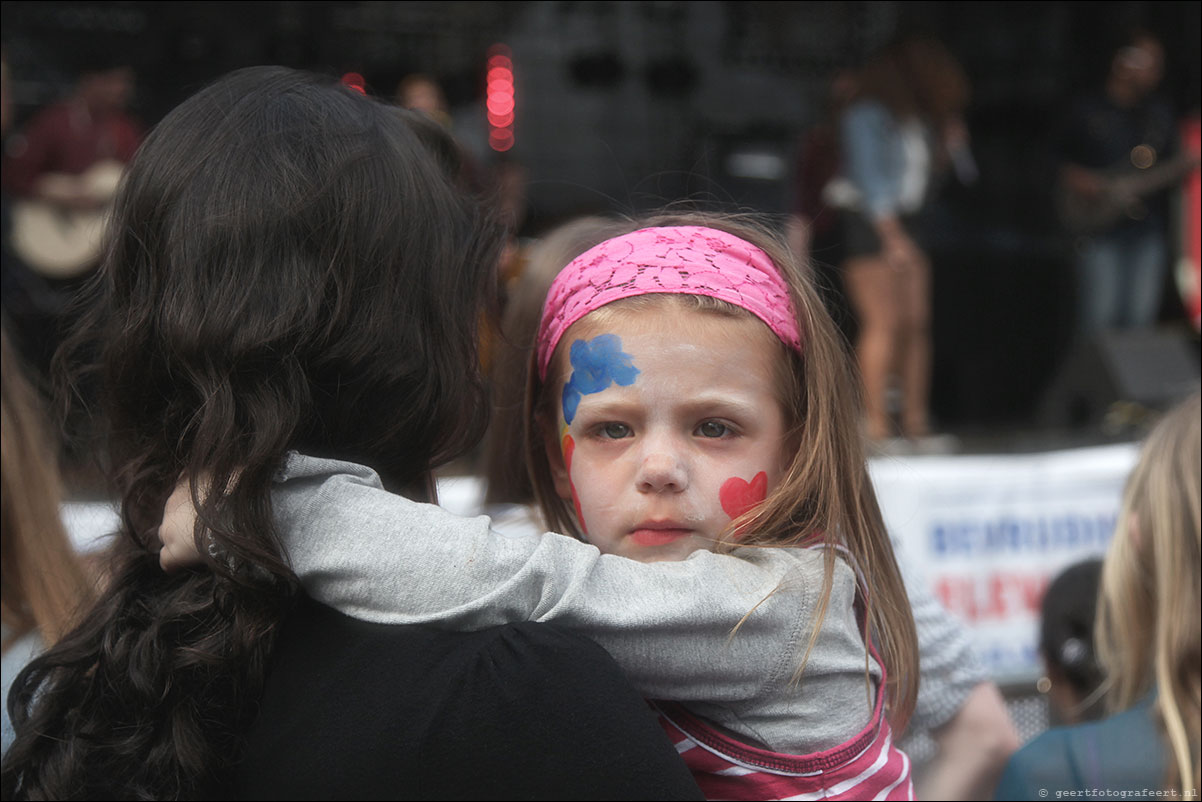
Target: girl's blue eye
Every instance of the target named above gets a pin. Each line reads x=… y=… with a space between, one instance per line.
x=615 y=431
x=713 y=428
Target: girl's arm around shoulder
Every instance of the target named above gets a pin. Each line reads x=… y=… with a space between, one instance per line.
x=379 y=557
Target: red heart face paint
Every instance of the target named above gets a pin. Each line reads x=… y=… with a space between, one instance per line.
x=739 y=496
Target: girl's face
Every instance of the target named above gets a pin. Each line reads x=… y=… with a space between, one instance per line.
x=670 y=426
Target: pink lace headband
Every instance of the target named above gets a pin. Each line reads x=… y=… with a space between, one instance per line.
x=688 y=260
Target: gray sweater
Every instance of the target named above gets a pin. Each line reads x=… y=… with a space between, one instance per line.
x=671 y=626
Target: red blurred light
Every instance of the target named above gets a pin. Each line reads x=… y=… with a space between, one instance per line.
x=501 y=139
x=499 y=97
x=500 y=104
x=355 y=81
x=500 y=120
x=500 y=88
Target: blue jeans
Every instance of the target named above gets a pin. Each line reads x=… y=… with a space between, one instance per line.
x=1119 y=279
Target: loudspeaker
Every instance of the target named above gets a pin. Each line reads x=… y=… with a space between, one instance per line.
x=1122 y=374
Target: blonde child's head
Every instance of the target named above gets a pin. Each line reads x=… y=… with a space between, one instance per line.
x=1148 y=609
x=689 y=391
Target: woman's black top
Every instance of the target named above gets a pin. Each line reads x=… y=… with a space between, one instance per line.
x=354 y=710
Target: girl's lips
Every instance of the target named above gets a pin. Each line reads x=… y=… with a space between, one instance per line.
x=658 y=536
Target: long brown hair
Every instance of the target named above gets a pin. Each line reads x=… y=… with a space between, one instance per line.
x=1149 y=619
x=825 y=495
x=42 y=580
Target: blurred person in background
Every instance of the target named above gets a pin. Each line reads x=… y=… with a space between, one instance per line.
x=54 y=157
x=419 y=92
x=44 y=581
x=1072 y=675
x=422 y=93
x=959 y=706
x=61 y=170
x=89 y=126
x=814 y=226
x=903 y=126
x=501 y=184
x=1149 y=637
x=1117 y=148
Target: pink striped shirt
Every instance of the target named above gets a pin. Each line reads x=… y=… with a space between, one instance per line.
x=868 y=766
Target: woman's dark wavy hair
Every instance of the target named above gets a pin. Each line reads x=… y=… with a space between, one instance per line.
x=288 y=267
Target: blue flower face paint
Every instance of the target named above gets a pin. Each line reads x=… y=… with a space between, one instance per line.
x=596 y=364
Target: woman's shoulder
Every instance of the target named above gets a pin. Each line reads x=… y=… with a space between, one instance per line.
x=1122 y=752
x=1041 y=764
x=511 y=655
x=354 y=708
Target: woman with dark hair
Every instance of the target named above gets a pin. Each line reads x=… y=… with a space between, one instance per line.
x=1066 y=644
x=289 y=270
x=904 y=123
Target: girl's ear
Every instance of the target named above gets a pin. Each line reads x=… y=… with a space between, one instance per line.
x=555 y=459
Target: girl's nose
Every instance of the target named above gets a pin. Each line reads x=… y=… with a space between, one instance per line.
x=662 y=470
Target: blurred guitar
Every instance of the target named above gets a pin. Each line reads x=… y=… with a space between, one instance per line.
x=59 y=241
x=1122 y=195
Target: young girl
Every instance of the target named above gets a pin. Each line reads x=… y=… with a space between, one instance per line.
x=690 y=396
x=679 y=403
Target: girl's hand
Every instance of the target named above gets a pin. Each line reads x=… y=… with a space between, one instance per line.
x=176 y=532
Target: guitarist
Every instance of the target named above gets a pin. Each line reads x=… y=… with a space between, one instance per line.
x=89 y=126
x=46 y=163
x=1108 y=136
